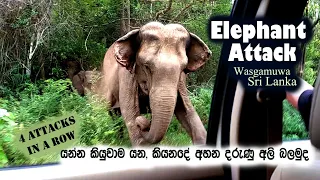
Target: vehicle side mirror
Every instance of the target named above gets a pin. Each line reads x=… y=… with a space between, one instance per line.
x=314 y=125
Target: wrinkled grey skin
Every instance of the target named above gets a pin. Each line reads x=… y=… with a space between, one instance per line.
x=147 y=68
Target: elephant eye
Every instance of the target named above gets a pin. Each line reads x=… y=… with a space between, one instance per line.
x=148 y=69
x=152 y=37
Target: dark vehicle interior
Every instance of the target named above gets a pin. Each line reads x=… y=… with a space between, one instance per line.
x=237 y=117
x=254 y=120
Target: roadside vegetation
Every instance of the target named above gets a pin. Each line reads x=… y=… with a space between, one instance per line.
x=37 y=36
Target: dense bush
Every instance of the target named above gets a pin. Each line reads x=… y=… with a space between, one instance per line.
x=50 y=98
x=293 y=125
x=53 y=98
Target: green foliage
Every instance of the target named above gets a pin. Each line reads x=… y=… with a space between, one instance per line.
x=79 y=34
x=100 y=127
x=201 y=100
x=25 y=18
x=293 y=126
x=312 y=58
x=51 y=98
x=6 y=126
x=35 y=102
x=9 y=154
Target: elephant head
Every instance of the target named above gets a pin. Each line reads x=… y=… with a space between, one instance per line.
x=157 y=54
x=72 y=67
x=78 y=82
x=83 y=81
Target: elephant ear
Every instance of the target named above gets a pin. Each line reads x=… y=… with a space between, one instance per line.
x=198 y=53
x=125 y=49
x=82 y=75
x=77 y=82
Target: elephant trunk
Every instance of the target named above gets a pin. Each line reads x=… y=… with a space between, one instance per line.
x=163 y=98
x=162 y=104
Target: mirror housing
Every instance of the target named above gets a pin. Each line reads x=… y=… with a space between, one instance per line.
x=314 y=121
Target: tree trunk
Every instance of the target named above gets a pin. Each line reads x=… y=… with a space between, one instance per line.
x=42 y=63
x=302 y=62
x=128 y=16
x=303 y=52
x=123 y=23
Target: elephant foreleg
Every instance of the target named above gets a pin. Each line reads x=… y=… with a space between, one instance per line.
x=129 y=105
x=188 y=117
x=191 y=121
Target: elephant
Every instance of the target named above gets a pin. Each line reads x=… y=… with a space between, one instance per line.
x=147 y=68
x=83 y=81
x=72 y=67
